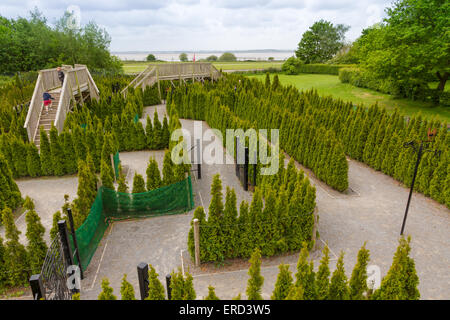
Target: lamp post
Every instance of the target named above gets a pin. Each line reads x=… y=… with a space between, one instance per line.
x=421 y=148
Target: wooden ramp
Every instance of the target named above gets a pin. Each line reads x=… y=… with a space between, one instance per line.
x=197 y=71
x=78 y=86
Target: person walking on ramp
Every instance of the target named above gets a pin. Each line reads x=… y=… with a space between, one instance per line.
x=47 y=101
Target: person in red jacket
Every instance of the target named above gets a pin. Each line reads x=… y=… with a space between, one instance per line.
x=47 y=101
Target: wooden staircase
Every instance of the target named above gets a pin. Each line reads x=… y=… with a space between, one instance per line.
x=78 y=86
x=46 y=120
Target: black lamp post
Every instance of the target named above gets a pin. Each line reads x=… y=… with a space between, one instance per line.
x=423 y=146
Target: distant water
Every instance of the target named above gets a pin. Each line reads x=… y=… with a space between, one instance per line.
x=174 y=56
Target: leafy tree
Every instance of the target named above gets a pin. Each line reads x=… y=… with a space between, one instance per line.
x=283 y=284
x=338 y=289
x=126 y=289
x=211 y=294
x=46 y=154
x=321 y=42
x=212 y=58
x=10 y=195
x=107 y=176
x=323 y=275
x=54 y=230
x=151 y=57
x=227 y=57
x=182 y=287
x=36 y=248
x=255 y=281
x=358 y=280
x=183 y=57
x=33 y=160
x=153 y=175
x=15 y=254
x=305 y=276
x=168 y=174
x=3 y=270
x=295 y=293
x=107 y=291
x=122 y=183
x=155 y=287
x=138 y=184
x=401 y=281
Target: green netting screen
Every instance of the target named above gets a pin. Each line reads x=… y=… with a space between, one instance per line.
x=136 y=118
x=90 y=233
x=116 y=164
x=112 y=205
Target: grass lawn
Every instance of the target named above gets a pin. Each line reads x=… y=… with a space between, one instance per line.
x=330 y=85
x=138 y=66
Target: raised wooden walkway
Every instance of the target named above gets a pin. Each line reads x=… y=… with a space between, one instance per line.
x=78 y=86
x=196 y=71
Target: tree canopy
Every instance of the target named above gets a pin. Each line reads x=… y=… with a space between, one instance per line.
x=321 y=42
x=32 y=44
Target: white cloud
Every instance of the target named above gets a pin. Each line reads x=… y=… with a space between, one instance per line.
x=208 y=24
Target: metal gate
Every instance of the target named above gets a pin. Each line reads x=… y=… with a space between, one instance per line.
x=54 y=273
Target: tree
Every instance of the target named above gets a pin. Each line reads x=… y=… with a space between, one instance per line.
x=283 y=284
x=155 y=287
x=305 y=276
x=126 y=289
x=227 y=57
x=358 y=280
x=36 y=248
x=107 y=175
x=138 y=184
x=151 y=57
x=338 y=289
x=168 y=174
x=46 y=154
x=321 y=42
x=122 y=183
x=183 y=57
x=33 y=160
x=107 y=291
x=292 y=66
x=55 y=230
x=3 y=269
x=255 y=281
x=323 y=275
x=211 y=58
x=295 y=293
x=10 y=195
x=182 y=287
x=211 y=294
x=401 y=281
x=153 y=175
x=15 y=254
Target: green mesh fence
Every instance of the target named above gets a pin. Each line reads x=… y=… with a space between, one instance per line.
x=136 y=118
x=112 y=205
x=91 y=232
x=116 y=164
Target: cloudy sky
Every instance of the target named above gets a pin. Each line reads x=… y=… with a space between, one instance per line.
x=154 y=25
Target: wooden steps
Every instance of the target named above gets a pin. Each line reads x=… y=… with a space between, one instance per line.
x=46 y=120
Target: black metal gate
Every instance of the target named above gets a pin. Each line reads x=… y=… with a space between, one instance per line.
x=54 y=273
x=54 y=282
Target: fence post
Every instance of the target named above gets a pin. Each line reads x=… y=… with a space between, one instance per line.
x=246 y=169
x=112 y=164
x=37 y=288
x=199 y=159
x=197 y=242
x=64 y=237
x=255 y=167
x=237 y=155
x=75 y=243
x=169 y=289
x=142 y=270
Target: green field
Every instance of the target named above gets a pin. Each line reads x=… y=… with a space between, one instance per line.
x=330 y=85
x=131 y=67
